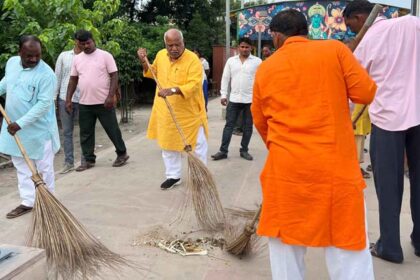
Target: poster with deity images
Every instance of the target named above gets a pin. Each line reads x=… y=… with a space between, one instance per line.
x=325 y=19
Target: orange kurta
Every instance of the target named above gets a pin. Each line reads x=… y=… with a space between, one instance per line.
x=312 y=185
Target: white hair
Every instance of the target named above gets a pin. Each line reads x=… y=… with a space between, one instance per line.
x=179 y=32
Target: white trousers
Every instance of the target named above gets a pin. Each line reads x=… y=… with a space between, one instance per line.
x=287 y=261
x=45 y=167
x=173 y=159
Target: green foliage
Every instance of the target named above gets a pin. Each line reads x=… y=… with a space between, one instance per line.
x=197 y=35
x=54 y=22
x=116 y=26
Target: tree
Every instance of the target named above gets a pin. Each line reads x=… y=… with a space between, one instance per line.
x=54 y=22
x=197 y=35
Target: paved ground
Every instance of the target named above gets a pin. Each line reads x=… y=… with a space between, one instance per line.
x=118 y=204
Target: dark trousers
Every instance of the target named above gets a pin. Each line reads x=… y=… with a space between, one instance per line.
x=87 y=121
x=233 y=111
x=387 y=155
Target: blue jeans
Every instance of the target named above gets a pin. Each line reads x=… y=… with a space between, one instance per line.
x=68 y=121
x=206 y=92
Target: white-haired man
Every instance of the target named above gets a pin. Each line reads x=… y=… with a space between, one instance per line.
x=179 y=72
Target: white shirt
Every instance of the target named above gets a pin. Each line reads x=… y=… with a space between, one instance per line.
x=206 y=67
x=240 y=77
x=62 y=72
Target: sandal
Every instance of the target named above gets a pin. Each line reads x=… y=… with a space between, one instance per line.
x=120 y=160
x=85 y=166
x=365 y=174
x=18 y=211
x=374 y=252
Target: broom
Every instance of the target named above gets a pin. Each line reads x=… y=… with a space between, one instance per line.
x=205 y=197
x=239 y=246
x=71 y=251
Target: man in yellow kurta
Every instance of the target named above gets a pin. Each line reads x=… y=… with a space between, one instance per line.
x=179 y=72
x=362 y=129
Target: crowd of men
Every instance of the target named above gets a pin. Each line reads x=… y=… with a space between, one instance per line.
x=298 y=100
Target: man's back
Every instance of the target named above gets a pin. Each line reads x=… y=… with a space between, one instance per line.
x=304 y=94
x=390 y=51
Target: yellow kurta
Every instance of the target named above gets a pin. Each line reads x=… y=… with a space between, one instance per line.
x=363 y=126
x=186 y=73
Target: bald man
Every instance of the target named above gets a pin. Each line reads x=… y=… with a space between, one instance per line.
x=179 y=72
x=30 y=85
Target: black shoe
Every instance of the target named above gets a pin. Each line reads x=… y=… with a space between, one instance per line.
x=219 y=155
x=246 y=156
x=369 y=168
x=170 y=183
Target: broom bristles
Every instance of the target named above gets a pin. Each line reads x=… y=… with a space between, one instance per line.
x=241 y=245
x=205 y=197
x=71 y=251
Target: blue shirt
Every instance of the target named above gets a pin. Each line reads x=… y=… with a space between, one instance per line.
x=29 y=103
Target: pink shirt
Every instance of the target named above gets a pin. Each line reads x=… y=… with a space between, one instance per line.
x=390 y=51
x=93 y=71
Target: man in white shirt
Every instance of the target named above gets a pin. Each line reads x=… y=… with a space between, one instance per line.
x=62 y=72
x=239 y=73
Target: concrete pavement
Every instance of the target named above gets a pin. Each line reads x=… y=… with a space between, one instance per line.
x=117 y=204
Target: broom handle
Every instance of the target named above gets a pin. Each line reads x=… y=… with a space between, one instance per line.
x=356 y=119
x=256 y=216
x=353 y=45
x=368 y=23
x=171 y=110
x=19 y=143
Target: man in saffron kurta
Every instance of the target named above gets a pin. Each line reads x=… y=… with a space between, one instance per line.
x=311 y=182
x=179 y=71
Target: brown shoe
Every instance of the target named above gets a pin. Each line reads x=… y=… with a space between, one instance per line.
x=84 y=166
x=18 y=211
x=121 y=160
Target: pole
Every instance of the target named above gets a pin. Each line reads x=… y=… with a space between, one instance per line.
x=227 y=19
x=259 y=43
x=242 y=4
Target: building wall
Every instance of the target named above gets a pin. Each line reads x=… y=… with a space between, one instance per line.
x=324 y=18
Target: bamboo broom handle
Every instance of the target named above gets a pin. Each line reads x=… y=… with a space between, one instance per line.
x=368 y=23
x=171 y=111
x=19 y=143
x=256 y=216
x=353 y=45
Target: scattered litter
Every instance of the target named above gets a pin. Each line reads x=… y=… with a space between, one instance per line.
x=183 y=248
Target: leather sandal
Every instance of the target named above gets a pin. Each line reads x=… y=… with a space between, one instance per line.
x=120 y=160
x=84 y=166
x=18 y=211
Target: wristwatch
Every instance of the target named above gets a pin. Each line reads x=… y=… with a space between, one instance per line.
x=173 y=90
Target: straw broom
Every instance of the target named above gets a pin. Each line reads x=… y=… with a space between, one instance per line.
x=205 y=197
x=71 y=251
x=240 y=245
